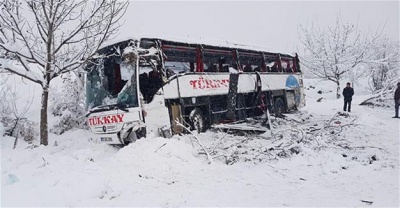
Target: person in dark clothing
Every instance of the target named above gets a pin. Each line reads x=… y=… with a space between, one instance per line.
x=348 y=93
x=397 y=100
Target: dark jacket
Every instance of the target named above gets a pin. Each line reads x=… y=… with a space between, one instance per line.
x=397 y=95
x=348 y=93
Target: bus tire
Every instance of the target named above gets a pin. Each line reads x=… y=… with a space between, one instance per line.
x=196 y=119
x=279 y=107
x=135 y=135
x=141 y=133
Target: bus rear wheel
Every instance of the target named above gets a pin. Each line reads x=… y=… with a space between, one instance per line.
x=279 y=107
x=197 y=121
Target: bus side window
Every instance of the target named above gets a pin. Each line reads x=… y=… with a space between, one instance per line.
x=169 y=72
x=213 y=68
x=274 y=68
x=247 y=68
x=192 y=67
x=287 y=66
x=225 y=68
x=291 y=66
x=284 y=66
x=289 y=69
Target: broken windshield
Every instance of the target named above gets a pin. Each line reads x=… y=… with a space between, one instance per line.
x=111 y=81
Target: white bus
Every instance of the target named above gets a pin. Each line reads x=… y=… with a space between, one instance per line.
x=139 y=86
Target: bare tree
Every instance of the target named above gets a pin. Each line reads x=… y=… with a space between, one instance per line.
x=13 y=112
x=51 y=37
x=384 y=68
x=384 y=73
x=332 y=52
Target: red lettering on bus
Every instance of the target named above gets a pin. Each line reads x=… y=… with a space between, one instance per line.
x=95 y=121
x=120 y=117
x=202 y=83
x=114 y=119
x=90 y=120
x=193 y=83
x=106 y=119
x=98 y=121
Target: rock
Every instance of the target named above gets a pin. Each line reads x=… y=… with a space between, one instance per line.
x=373 y=158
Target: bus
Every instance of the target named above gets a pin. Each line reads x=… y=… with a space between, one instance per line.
x=161 y=86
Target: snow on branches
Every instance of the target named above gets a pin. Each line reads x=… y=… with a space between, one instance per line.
x=68 y=104
x=48 y=38
x=333 y=52
x=384 y=73
x=58 y=36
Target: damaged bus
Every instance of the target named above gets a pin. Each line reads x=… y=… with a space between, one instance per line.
x=152 y=85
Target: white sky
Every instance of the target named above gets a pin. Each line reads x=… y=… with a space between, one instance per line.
x=268 y=24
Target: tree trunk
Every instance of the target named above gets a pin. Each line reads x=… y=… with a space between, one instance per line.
x=44 y=140
x=337 y=89
x=44 y=136
x=15 y=142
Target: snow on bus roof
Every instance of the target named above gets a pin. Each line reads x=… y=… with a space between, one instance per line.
x=202 y=41
x=117 y=40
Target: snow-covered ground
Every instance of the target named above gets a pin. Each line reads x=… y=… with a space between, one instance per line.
x=316 y=157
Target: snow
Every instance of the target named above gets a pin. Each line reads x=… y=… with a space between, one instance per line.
x=362 y=164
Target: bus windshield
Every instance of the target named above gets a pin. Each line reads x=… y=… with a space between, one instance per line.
x=111 y=81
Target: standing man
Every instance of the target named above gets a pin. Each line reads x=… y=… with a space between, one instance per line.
x=348 y=93
x=397 y=100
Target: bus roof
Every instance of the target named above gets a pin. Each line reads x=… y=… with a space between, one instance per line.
x=203 y=42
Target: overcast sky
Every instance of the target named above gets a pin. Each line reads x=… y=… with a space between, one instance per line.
x=268 y=24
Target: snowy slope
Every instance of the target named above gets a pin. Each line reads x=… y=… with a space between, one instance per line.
x=359 y=167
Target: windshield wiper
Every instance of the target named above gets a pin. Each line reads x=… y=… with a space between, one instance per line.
x=102 y=108
x=121 y=107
